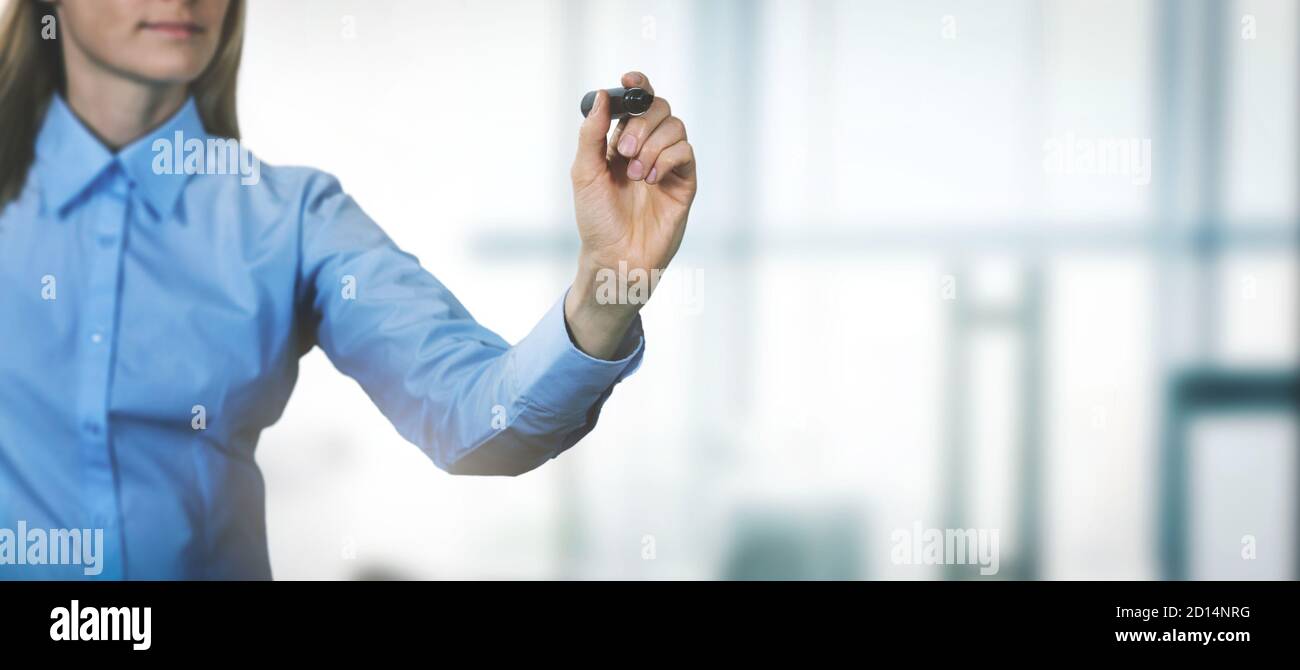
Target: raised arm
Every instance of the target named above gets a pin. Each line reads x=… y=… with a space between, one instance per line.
x=469 y=400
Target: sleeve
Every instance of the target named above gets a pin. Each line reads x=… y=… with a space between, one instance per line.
x=471 y=402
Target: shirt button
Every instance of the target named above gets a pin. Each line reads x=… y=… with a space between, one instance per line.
x=92 y=427
x=97 y=337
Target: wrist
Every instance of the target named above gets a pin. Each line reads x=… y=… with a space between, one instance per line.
x=591 y=300
x=596 y=325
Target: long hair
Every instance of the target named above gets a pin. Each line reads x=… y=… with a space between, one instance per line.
x=31 y=72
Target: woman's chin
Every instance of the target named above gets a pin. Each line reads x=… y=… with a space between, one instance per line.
x=166 y=64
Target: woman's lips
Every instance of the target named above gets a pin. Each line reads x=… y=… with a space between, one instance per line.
x=178 y=29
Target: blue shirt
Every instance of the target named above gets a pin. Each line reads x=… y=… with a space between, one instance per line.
x=151 y=321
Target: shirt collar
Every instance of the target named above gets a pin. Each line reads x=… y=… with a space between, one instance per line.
x=69 y=158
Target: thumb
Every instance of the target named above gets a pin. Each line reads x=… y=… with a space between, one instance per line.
x=590 y=161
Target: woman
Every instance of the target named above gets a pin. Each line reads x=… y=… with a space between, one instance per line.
x=154 y=311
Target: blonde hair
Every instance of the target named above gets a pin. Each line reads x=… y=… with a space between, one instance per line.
x=31 y=71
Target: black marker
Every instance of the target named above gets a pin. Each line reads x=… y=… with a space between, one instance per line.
x=623 y=102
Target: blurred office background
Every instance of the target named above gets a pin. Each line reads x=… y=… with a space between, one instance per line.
x=891 y=311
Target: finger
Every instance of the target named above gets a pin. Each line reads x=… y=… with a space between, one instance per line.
x=678 y=159
x=670 y=132
x=590 y=161
x=629 y=80
x=611 y=152
x=640 y=127
x=635 y=79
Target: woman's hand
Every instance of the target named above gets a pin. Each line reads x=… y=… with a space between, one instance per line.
x=632 y=194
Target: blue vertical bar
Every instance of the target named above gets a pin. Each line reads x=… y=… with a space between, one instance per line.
x=1169 y=513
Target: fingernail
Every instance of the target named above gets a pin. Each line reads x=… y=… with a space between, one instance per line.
x=634 y=170
x=653 y=177
x=627 y=146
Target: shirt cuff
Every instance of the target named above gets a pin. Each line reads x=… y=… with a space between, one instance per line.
x=553 y=375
